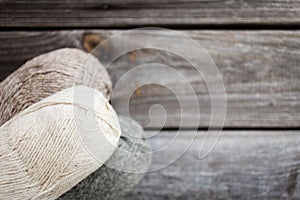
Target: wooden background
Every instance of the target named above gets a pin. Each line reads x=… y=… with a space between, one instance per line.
x=256 y=46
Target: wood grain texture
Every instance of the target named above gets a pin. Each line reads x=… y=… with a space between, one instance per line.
x=243 y=165
x=260 y=70
x=116 y=13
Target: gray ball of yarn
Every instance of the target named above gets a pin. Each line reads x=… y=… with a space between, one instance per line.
x=109 y=183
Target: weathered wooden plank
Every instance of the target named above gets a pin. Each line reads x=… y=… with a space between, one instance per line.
x=260 y=70
x=93 y=13
x=243 y=165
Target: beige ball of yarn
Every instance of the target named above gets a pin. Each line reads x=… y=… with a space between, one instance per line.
x=50 y=73
x=54 y=144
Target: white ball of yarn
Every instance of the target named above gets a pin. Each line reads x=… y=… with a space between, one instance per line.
x=54 y=144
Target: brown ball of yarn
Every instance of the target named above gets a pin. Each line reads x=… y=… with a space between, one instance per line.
x=50 y=73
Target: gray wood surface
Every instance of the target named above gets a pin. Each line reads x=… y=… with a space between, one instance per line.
x=260 y=70
x=116 y=13
x=243 y=165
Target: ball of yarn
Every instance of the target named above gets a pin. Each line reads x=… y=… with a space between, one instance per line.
x=46 y=149
x=50 y=73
